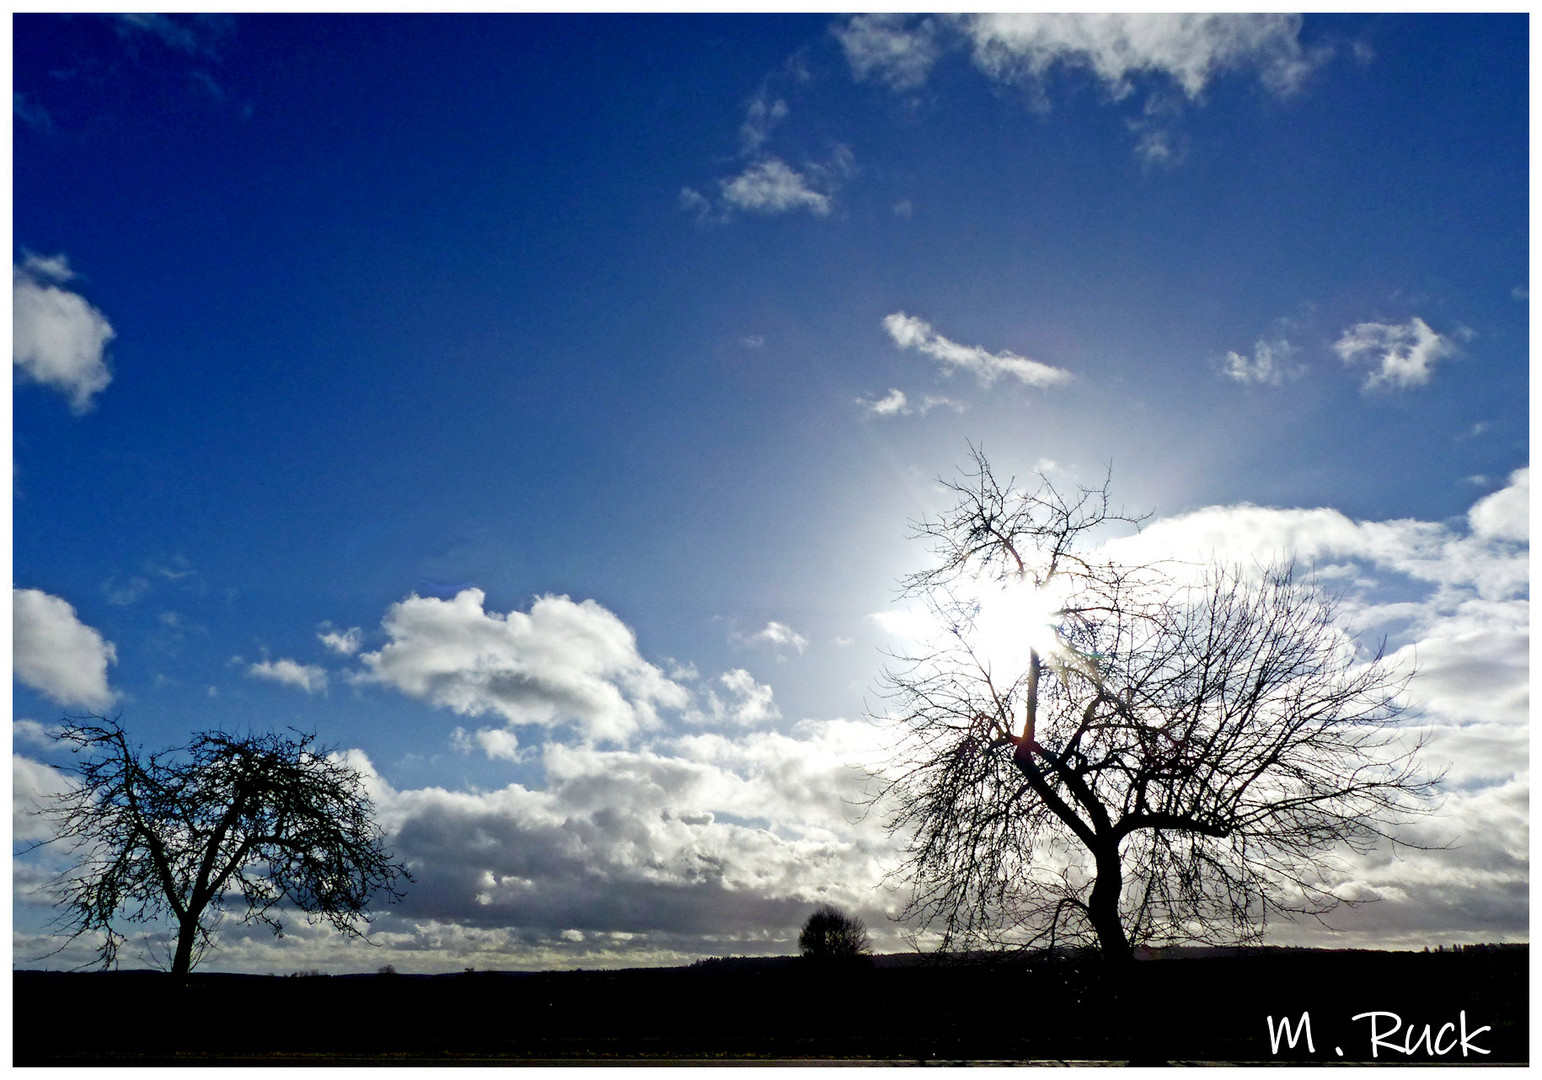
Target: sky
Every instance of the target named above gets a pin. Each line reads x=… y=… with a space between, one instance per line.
x=538 y=408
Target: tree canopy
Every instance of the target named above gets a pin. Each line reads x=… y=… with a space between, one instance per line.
x=1099 y=752
x=831 y=934
x=258 y=820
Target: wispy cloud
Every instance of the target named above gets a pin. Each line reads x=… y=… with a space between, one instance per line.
x=56 y=654
x=31 y=113
x=897 y=403
x=308 y=677
x=777 y=635
x=57 y=338
x=195 y=35
x=909 y=332
x=773 y=187
x=1400 y=356
x=1270 y=364
x=891 y=49
x=342 y=642
x=766 y=184
x=760 y=116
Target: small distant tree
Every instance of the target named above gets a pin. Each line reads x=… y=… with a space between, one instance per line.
x=263 y=818
x=831 y=934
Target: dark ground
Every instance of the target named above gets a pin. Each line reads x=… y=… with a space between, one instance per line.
x=1214 y=1008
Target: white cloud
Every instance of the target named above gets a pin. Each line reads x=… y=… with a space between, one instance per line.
x=1506 y=514
x=896 y=403
x=768 y=185
x=1188 y=49
x=32 y=732
x=57 y=338
x=496 y=743
x=344 y=643
x=777 y=635
x=1269 y=365
x=308 y=677
x=564 y=662
x=1400 y=356
x=1178 y=55
x=749 y=703
x=56 y=654
x=1021 y=48
x=760 y=116
x=32 y=783
x=708 y=843
x=909 y=332
x=771 y=186
x=885 y=48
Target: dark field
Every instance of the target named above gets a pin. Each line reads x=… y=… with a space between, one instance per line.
x=1192 y=1009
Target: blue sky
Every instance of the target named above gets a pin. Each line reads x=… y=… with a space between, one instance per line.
x=657 y=332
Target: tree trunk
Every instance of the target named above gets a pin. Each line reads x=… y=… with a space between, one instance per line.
x=187 y=934
x=1103 y=907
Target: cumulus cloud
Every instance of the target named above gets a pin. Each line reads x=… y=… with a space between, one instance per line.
x=308 y=677
x=342 y=642
x=1177 y=55
x=496 y=743
x=747 y=703
x=562 y=663
x=1399 y=356
x=32 y=785
x=31 y=731
x=56 y=654
x=1453 y=603
x=1189 y=49
x=909 y=332
x=1506 y=514
x=704 y=843
x=57 y=338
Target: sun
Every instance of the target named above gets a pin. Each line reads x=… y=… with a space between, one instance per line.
x=1014 y=621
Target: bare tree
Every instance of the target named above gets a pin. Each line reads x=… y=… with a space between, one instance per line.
x=1146 y=754
x=265 y=818
x=831 y=934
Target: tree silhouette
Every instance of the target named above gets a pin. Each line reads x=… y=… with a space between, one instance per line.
x=266 y=818
x=831 y=934
x=1127 y=754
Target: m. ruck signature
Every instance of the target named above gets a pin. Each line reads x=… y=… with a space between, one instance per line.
x=1384 y=1032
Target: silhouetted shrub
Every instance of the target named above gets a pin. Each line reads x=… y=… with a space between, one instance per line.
x=831 y=934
